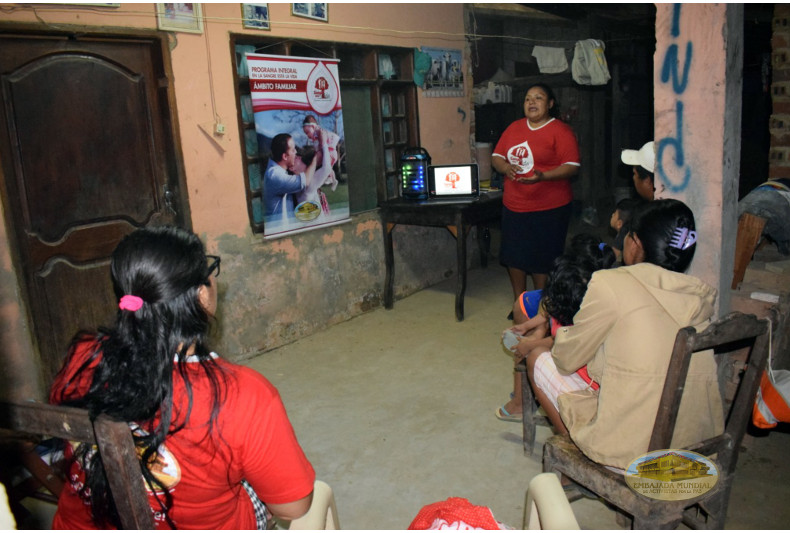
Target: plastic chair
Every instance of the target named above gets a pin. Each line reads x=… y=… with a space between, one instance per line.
x=547 y=507
x=6 y=518
x=322 y=513
x=735 y=331
x=28 y=421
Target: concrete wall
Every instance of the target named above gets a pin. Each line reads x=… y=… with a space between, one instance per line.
x=272 y=292
x=697 y=79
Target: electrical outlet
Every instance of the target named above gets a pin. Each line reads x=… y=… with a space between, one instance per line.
x=219 y=128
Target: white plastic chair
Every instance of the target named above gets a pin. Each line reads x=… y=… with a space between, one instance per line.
x=547 y=506
x=6 y=518
x=322 y=513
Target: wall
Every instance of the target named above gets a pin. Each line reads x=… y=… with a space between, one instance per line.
x=698 y=79
x=779 y=158
x=272 y=292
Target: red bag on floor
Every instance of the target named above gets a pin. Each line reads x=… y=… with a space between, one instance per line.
x=455 y=513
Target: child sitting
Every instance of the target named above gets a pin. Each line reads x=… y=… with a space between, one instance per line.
x=619 y=223
x=559 y=302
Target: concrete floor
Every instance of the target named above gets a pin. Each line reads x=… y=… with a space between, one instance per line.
x=395 y=409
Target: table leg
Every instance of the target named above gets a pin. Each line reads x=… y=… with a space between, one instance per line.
x=388 y=262
x=483 y=243
x=460 y=240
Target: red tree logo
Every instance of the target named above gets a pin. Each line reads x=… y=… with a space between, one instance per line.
x=452 y=178
x=321 y=86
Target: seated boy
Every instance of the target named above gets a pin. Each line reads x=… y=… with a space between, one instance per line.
x=619 y=223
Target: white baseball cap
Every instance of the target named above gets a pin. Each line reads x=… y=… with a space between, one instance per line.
x=645 y=157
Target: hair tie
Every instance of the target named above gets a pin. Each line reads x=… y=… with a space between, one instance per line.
x=601 y=246
x=682 y=238
x=130 y=302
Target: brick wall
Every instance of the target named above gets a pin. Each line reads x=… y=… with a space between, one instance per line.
x=779 y=155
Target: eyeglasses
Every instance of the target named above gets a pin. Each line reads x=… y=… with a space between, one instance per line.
x=214 y=262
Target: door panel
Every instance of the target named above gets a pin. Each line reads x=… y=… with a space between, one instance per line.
x=87 y=154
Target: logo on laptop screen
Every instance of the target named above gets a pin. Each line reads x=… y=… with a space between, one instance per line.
x=452 y=178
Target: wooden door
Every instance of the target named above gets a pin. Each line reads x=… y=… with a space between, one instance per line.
x=88 y=155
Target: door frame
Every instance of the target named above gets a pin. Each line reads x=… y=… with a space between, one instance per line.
x=21 y=357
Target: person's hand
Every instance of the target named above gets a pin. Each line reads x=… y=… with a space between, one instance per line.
x=537 y=176
x=511 y=172
x=519 y=329
x=524 y=347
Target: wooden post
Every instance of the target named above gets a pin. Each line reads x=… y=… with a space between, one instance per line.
x=750 y=228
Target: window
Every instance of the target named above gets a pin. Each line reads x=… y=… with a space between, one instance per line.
x=379 y=117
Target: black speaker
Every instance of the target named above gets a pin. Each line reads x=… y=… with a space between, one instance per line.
x=414 y=165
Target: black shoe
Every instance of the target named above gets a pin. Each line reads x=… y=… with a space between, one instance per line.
x=510 y=316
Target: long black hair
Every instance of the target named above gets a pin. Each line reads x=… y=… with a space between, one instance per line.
x=165 y=267
x=667 y=232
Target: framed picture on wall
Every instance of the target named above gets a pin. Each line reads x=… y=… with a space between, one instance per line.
x=179 y=17
x=255 y=16
x=311 y=11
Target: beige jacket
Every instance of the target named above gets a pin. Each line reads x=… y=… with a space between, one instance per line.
x=624 y=333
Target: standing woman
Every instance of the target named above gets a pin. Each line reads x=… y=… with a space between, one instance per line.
x=537 y=156
x=212 y=437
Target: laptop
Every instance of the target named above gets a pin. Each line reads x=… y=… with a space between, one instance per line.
x=453 y=184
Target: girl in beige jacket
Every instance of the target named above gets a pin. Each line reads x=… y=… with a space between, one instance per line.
x=624 y=333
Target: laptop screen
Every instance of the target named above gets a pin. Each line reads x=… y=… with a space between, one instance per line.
x=453 y=181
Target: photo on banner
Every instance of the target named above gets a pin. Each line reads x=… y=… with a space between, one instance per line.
x=299 y=124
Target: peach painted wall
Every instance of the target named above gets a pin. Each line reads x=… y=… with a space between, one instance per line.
x=272 y=292
x=697 y=84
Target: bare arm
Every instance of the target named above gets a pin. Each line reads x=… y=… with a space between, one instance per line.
x=530 y=324
x=527 y=345
x=291 y=510
x=501 y=165
x=562 y=172
x=309 y=174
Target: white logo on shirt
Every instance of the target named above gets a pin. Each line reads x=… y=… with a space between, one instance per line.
x=521 y=156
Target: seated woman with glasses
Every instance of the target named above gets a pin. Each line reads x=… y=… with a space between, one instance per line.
x=213 y=437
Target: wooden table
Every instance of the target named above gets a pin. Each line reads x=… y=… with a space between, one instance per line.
x=458 y=218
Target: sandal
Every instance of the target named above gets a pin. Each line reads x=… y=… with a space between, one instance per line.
x=502 y=414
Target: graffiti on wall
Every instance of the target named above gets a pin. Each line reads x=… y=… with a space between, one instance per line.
x=674 y=173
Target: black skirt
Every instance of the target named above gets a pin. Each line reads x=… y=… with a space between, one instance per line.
x=532 y=241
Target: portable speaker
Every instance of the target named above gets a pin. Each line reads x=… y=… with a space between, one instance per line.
x=414 y=165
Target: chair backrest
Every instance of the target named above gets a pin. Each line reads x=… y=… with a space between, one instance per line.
x=734 y=331
x=113 y=440
x=322 y=513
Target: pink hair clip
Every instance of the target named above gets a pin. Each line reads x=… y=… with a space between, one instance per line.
x=130 y=302
x=683 y=238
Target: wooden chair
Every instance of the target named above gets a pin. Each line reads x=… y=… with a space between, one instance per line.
x=709 y=510
x=532 y=416
x=750 y=229
x=31 y=420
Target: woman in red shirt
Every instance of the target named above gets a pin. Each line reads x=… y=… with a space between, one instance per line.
x=538 y=156
x=213 y=437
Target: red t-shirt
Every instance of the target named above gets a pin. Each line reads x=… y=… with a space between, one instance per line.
x=543 y=148
x=252 y=440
